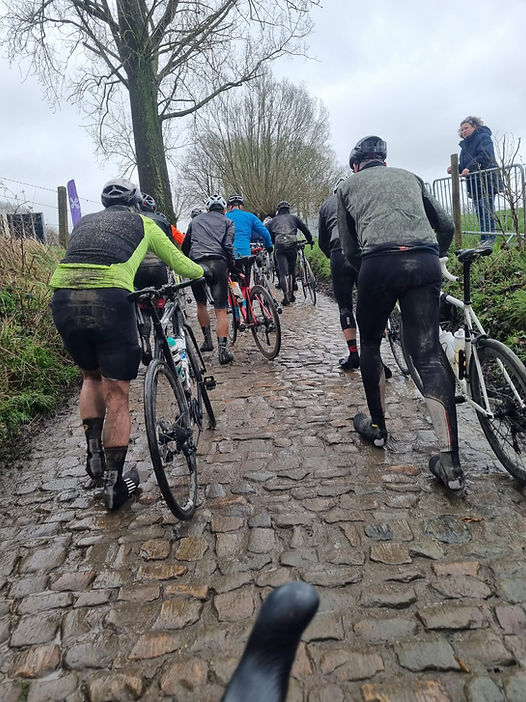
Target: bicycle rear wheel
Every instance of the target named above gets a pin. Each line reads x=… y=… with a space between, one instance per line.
x=169 y=432
x=265 y=326
x=235 y=317
x=199 y=392
x=394 y=336
x=309 y=281
x=504 y=376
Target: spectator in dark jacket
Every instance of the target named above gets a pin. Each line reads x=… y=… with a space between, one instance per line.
x=477 y=154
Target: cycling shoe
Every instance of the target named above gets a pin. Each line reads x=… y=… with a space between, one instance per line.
x=451 y=475
x=118 y=488
x=351 y=362
x=369 y=431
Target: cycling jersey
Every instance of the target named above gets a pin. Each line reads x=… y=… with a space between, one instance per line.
x=210 y=235
x=370 y=225
x=106 y=248
x=283 y=230
x=247 y=228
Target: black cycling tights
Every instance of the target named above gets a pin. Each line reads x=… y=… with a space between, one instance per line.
x=343 y=279
x=286 y=265
x=414 y=279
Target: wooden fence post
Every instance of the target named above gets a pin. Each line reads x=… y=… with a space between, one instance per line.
x=455 y=200
x=62 y=216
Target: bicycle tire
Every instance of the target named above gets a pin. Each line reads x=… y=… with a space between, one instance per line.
x=506 y=431
x=311 y=281
x=394 y=337
x=235 y=314
x=265 y=327
x=169 y=433
x=197 y=368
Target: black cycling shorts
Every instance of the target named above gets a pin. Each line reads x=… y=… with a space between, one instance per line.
x=151 y=273
x=99 y=330
x=219 y=288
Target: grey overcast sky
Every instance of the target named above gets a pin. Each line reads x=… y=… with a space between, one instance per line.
x=406 y=70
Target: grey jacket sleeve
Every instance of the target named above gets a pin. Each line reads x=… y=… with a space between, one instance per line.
x=348 y=234
x=439 y=219
x=323 y=235
x=228 y=242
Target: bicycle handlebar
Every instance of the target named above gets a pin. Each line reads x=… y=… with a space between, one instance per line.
x=167 y=290
x=264 y=669
x=445 y=273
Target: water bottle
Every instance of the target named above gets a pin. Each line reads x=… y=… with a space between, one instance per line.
x=237 y=291
x=459 y=341
x=447 y=341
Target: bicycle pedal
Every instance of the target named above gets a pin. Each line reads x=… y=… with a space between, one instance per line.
x=241 y=327
x=459 y=399
x=210 y=382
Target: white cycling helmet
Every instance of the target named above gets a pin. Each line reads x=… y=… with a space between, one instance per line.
x=216 y=202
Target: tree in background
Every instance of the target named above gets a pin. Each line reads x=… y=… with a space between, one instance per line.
x=171 y=57
x=269 y=143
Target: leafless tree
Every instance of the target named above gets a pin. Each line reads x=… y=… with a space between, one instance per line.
x=512 y=191
x=171 y=57
x=269 y=143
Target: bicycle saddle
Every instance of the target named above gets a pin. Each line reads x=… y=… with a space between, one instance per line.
x=469 y=254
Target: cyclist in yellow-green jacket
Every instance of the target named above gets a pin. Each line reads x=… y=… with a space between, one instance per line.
x=98 y=326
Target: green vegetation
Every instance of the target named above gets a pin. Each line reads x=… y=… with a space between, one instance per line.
x=34 y=370
x=498 y=290
x=505 y=221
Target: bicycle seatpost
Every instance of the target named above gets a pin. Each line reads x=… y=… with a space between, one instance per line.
x=264 y=669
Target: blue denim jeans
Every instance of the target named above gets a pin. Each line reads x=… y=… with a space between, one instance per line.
x=484 y=207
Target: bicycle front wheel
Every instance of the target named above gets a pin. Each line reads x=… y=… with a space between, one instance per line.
x=265 y=326
x=504 y=377
x=170 y=440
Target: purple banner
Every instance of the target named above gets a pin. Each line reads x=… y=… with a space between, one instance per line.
x=74 y=204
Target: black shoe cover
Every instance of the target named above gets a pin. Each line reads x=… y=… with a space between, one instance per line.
x=116 y=492
x=369 y=431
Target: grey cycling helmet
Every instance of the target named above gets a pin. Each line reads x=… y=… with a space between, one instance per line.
x=368 y=149
x=283 y=205
x=120 y=192
x=235 y=200
x=147 y=203
x=216 y=202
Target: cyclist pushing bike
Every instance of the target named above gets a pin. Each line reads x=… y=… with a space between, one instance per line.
x=247 y=227
x=283 y=230
x=98 y=325
x=393 y=230
x=210 y=239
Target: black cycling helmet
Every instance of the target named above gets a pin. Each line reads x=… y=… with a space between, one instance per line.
x=235 y=200
x=147 y=203
x=283 y=205
x=368 y=149
x=120 y=192
x=195 y=212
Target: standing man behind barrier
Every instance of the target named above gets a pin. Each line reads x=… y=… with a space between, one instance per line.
x=98 y=326
x=210 y=239
x=283 y=230
x=386 y=219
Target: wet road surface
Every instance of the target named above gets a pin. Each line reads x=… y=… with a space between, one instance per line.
x=423 y=595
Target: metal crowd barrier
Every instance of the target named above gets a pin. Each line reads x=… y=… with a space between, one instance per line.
x=499 y=191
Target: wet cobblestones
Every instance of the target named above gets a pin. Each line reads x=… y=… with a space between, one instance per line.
x=422 y=594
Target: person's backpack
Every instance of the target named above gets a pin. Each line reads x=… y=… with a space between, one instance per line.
x=286 y=241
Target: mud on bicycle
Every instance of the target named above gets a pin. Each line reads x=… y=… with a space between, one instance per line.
x=175 y=395
x=485 y=372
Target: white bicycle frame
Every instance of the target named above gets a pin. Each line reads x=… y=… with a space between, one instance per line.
x=471 y=321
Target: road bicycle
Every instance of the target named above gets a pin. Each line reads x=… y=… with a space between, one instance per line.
x=304 y=274
x=394 y=337
x=256 y=311
x=263 y=271
x=264 y=669
x=175 y=394
x=486 y=373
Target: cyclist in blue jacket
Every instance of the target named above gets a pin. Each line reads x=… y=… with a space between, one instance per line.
x=247 y=227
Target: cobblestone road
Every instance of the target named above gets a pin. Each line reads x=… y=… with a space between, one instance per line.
x=422 y=595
